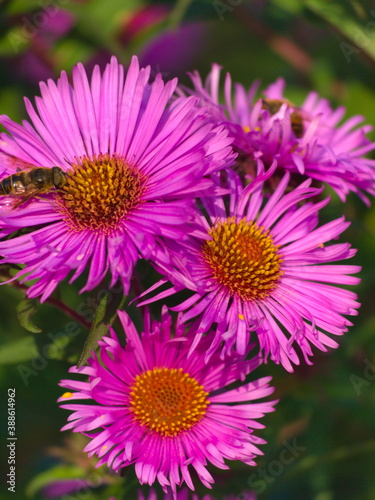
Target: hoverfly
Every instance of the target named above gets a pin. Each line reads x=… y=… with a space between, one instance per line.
x=296 y=120
x=31 y=182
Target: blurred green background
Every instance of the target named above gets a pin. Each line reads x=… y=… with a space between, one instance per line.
x=321 y=439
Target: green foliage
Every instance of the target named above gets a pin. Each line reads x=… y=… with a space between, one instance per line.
x=51 y=475
x=25 y=310
x=98 y=330
x=23 y=349
x=22 y=6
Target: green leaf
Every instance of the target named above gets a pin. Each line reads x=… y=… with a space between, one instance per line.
x=178 y=13
x=68 y=51
x=18 y=7
x=98 y=330
x=114 y=13
x=19 y=350
x=57 y=473
x=13 y=42
x=25 y=309
x=357 y=31
x=291 y=6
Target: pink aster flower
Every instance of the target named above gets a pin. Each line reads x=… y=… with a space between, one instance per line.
x=309 y=141
x=151 y=405
x=131 y=160
x=264 y=267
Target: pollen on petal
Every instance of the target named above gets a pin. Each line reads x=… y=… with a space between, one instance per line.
x=67 y=395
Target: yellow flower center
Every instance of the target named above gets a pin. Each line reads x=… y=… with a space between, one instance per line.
x=99 y=192
x=243 y=258
x=167 y=401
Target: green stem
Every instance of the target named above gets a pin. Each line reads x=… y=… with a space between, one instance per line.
x=178 y=13
x=57 y=303
x=118 y=308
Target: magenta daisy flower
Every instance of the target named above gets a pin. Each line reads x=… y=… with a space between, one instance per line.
x=309 y=141
x=130 y=160
x=151 y=405
x=264 y=267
